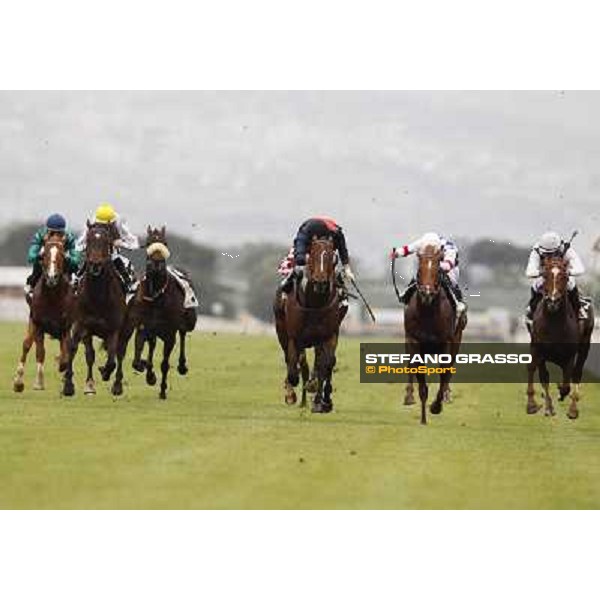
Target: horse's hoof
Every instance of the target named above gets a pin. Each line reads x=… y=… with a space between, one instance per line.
x=573 y=414
x=117 y=389
x=90 y=389
x=549 y=413
x=291 y=398
x=327 y=408
x=19 y=387
x=409 y=401
x=312 y=386
x=38 y=387
x=317 y=408
x=435 y=408
x=182 y=369
x=151 y=378
x=533 y=409
x=139 y=366
x=69 y=390
x=163 y=396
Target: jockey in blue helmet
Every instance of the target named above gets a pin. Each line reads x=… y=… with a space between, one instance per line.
x=56 y=224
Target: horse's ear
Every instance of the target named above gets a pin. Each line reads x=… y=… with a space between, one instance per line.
x=149 y=230
x=163 y=231
x=88 y=224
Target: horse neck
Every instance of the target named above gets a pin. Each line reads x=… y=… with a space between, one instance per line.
x=155 y=281
x=99 y=287
x=312 y=299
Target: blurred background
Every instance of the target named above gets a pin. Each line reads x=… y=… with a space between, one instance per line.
x=233 y=174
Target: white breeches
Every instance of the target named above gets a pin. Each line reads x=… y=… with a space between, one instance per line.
x=453 y=275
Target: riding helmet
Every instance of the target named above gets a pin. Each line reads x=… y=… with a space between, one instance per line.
x=105 y=214
x=56 y=222
x=550 y=242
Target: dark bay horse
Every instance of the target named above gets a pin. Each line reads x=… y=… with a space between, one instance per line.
x=51 y=310
x=310 y=317
x=99 y=311
x=431 y=327
x=558 y=336
x=158 y=312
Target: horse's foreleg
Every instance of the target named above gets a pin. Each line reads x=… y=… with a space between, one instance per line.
x=532 y=405
x=545 y=381
x=409 y=397
x=305 y=372
x=90 y=359
x=291 y=359
x=182 y=367
x=40 y=358
x=139 y=364
x=423 y=393
x=573 y=411
x=19 y=380
x=63 y=360
x=443 y=391
x=68 y=386
x=112 y=347
x=150 y=374
x=169 y=344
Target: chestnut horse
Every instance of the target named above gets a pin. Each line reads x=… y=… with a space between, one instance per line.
x=310 y=317
x=431 y=327
x=51 y=310
x=558 y=336
x=99 y=311
x=157 y=312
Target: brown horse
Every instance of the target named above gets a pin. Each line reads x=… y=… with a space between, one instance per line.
x=157 y=312
x=99 y=311
x=558 y=337
x=431 y=327
x=310 y=317
x=50 y=314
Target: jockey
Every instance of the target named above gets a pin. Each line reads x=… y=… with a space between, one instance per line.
x=551 y=245
x=449 y=266
x=294 y=265
x=106 y=215
x=55 y=224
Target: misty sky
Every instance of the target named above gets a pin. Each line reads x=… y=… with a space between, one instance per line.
x=252 y=166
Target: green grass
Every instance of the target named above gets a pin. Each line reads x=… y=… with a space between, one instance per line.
x=224 y=439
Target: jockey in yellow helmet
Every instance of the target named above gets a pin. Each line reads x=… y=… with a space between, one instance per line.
x=106 y=215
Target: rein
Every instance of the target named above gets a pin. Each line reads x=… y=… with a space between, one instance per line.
x=398 y=295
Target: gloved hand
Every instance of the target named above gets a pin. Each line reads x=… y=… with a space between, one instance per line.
x=394 y=254
x=118 y=243
x=446 y=266
x=299 y=270
x=348 y=274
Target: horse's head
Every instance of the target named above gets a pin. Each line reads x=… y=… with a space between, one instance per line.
x=320 y=266
x=157 y=251
x=53 y=259
x=556 y=278
x=428 y=274
x=99 y=248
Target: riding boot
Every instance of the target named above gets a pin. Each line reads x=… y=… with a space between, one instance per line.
x=288 y=283
x=456 y=296
x=408 y=292
x=127 y=275
x=575 y=299
x=533 y=304
x=33 y=279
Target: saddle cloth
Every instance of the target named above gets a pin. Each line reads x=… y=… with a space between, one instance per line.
x=183 y=280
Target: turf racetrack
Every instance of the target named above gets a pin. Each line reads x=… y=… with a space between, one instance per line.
x=224 y=439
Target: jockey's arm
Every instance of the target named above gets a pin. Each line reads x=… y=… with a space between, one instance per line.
x=409 y=249
x=35 y=248
x=534 y=265
x=450 y=257
x=575 y=263
x=342 y=248
x=128 y=240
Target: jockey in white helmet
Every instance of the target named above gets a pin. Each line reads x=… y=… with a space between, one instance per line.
x=551 y=245
x=449 y=266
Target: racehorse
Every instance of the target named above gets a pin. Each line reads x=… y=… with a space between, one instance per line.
x=99 y=311
x=158 y=312
x=310 y=317
x=558 y=336
x=431 y=327
x=51 y=309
